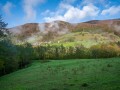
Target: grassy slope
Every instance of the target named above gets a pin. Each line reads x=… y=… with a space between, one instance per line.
x=86 y=39
x=87 y=74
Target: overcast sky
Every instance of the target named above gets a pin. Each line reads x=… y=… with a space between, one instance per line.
x=17 y=12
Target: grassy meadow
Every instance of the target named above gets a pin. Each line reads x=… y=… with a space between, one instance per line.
x=77 y=74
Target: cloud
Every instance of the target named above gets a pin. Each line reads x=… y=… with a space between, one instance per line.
x=77 y=14
x=113 y=10
x=117 y=28
x=29 y=8
x=102 y=2
x=67 y=12
x=68 y=1
x=84 y=2
x=7 y=8
x=47 y=12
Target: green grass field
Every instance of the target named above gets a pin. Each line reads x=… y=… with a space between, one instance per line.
x=82 y=74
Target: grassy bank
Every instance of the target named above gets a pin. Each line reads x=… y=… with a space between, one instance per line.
x=82 y=74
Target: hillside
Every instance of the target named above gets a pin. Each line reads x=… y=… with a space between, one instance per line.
x=60 y=32
x=82 y=74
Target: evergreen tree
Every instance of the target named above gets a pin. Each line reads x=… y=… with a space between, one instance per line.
x=3 y=30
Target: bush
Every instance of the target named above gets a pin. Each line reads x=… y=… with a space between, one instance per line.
x=104 y=51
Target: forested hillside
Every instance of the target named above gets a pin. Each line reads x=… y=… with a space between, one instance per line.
x=69 y=34
x=72 y=45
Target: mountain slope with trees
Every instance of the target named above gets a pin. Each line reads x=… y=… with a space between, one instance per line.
x=55 y=44
x=95 y=31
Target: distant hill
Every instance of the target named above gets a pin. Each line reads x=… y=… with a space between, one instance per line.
x=64 y=32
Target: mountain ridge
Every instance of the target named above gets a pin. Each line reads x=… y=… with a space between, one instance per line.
x=53 y=31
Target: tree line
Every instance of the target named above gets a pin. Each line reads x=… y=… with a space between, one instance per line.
x=14 y=57
x=79 y=52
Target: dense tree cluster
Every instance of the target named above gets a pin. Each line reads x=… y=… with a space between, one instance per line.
x=79 y=52
x=13 y=57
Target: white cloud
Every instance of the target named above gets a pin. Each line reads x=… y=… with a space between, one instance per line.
x=102 y=2
x=111 y=10
x=29 y=8
x=68 y=1
x=63 y=6
x=73 y=14
x=47 y=12
x=7 y=8
x=84 y=2
x=49 y=19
